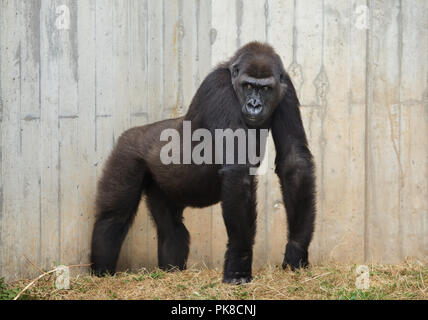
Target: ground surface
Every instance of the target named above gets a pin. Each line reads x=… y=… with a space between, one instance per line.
x=405 y=281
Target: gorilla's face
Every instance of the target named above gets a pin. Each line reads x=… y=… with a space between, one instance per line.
x=258 y=84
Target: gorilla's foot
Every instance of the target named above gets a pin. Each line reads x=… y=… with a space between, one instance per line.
x=173 y=252
x=172 y=268
x=237 y=269
x=237 y=278
x=102 y=271
x=295 y=256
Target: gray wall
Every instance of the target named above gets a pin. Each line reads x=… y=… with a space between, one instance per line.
x=69 y=87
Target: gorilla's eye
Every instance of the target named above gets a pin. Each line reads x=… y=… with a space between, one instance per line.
x=265 y=88
x=249 y=86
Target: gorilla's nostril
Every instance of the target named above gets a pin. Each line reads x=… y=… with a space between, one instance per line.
x=254 y=108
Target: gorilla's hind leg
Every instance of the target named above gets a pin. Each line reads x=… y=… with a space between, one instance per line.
x=118 y=196
x=173 y=237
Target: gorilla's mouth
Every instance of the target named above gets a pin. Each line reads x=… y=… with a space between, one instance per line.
x=253 y=115
x=253 y=120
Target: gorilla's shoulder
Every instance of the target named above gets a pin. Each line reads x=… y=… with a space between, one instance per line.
x=218 y=78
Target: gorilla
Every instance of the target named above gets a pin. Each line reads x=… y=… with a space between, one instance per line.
x=251 y=91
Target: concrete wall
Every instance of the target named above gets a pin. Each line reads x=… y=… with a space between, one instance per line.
x=75 y=74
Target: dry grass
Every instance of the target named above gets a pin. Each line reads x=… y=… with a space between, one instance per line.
x=333 y=281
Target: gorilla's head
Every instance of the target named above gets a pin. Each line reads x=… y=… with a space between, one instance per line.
x=259 y=80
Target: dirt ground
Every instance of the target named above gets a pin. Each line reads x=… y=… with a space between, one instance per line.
x=330 y=281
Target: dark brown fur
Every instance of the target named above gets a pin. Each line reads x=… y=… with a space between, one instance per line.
x=134 y=168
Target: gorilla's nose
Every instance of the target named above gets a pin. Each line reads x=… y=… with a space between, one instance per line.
x=254 y=107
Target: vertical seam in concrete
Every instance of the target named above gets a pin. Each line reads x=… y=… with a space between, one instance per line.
x=196 y=80
x=267 y=22
x=77 y=79
x=239 y=9
x=113 y=68
x=323 y=33
x=400 y=178
x=20 y=94
x=180 y=34
x=1 y=146
x=59 y=159
x=210 y=24
x=368 y=102
x=147 y=222
x=40 y=123
x=95 y=83
x=147 y=59
x=73 y=38
x=163 y=62
x=294 y=46
x=129 y=21
x=322 y=100
x=19 y=14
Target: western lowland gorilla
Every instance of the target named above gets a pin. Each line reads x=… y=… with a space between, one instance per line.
x=250 y=91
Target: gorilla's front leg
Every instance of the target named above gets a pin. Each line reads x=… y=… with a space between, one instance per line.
x=239 y=213
x=296 y=175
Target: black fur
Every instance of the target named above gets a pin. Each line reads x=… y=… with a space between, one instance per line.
x=134 y=168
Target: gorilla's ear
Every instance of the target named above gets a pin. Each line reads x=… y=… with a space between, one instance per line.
x=234 y=67
x=234 y=70
x=288 y=92
x=282 y=86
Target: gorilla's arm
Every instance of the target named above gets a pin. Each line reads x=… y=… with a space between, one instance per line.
x=295 y=169
x=239 y=213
